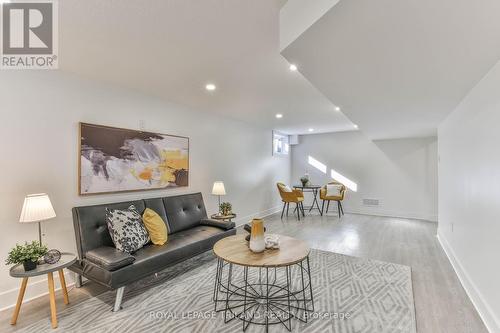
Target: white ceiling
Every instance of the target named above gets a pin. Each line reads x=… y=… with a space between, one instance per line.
x=398 y=67
x=172 y=48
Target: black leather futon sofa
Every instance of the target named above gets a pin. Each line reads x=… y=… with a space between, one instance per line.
x=190 y=233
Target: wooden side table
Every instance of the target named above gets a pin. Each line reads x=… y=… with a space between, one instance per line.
x=67 y=259
x=228 y=218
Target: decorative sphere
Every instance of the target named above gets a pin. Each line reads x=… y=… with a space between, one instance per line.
x=52 y=256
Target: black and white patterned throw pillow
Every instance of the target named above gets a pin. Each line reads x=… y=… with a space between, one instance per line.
x=127 y=229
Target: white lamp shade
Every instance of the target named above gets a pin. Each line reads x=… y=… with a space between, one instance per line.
x=218 y=189
x=37 y=207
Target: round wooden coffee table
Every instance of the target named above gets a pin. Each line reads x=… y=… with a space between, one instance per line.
x=265 y=288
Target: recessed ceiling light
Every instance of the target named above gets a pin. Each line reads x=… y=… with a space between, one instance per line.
x=210 y=87
x=311 y=129
x=293 y=67
x=337 y=108
x=356 y=126
x=279 y=115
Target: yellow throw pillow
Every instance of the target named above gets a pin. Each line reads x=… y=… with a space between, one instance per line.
x=155 y=226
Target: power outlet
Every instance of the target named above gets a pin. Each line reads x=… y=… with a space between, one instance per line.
x=142 y=125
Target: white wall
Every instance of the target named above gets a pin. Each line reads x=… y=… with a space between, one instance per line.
x=296 y=16
x=469 y=194
x=39 y=115
x=401 y=173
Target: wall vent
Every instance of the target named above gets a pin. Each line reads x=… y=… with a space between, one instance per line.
x=371 y=202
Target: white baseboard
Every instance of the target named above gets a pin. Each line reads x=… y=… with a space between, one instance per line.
x=245 y=219
x=430 y=218
x=34 y=290
x=403 y=215
x=489 y=318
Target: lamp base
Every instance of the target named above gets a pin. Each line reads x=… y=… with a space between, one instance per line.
x=40 y=233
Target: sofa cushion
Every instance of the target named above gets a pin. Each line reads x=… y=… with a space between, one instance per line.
x=90 y=225
x=156 y=227
x=152 y=258
x=184 y=211
x=158 y=206
x=109 y=258
x=126 y=229
x=334 y=190
x=180 y=246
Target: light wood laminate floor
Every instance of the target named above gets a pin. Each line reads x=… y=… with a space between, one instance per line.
x=441 y=303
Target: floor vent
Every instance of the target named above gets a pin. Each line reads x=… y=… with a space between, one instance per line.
x=371 y=202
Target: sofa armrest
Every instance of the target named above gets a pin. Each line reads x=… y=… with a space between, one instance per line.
x=109 y=258
x=226 y=225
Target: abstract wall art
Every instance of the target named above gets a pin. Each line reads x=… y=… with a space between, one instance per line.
x=116 y=159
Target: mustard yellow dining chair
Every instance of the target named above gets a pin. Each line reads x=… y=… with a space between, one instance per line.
x=338 y=198
x=288 y=196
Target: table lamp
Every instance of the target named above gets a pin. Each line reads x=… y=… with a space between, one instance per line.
x=218 y=189
x=37 y=208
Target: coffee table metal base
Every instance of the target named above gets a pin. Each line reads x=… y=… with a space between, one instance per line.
x=267 y=296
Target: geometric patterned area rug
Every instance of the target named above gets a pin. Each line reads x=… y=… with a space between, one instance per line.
x=351 y=295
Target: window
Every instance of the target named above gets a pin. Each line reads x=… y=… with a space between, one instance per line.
x=281 y=145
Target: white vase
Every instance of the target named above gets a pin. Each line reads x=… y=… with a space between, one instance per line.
x=257 y=244
x=257 y=241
